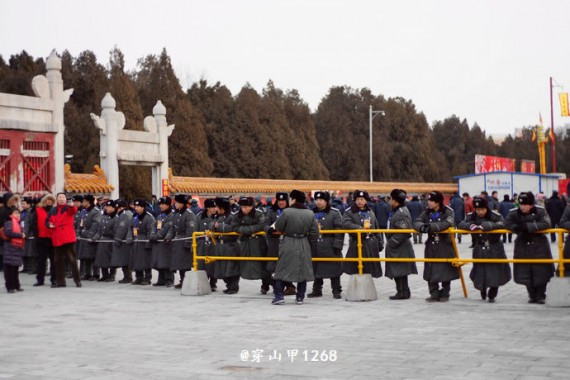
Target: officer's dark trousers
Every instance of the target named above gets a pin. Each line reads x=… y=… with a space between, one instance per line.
x=436 y=292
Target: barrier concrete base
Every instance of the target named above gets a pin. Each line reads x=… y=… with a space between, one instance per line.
x=361 y=288
x=558 y=294
x=196 y=284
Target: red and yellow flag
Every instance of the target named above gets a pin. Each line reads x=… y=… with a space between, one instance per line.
x=563 y=97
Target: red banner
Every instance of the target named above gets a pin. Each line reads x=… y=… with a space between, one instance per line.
x=528 y=166
x=165 y=191
x=486 y=164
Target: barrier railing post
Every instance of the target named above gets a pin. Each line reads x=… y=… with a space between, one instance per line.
x=560 y=254
x=359 y=245
x=459 y=267
x=194 y=252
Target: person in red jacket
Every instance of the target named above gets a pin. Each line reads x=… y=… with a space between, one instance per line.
x=60 y=220
x=43 y=242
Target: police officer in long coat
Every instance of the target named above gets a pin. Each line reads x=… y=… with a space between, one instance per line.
x=89 y=222
x=247 y=222
x=360 y=216
x=139 y=235
x=327 y=245
x=161 y=237
x=299 y=228
x=437 y=217
x=30 y=231
x=400 y=245
x=487 y=277
x=228 y=271
x=121 y=253
x=525 y=221
x=273 y=237
x=184 y=225
x=204 y=221
x=104 y=238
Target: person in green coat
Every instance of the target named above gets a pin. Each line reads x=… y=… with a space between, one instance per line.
x=247 y=222
x=400 y=245
x=437 y=217
x=300 y=231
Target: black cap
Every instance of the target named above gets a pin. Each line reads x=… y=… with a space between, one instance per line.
x=140 y=202
x=323 y=195
x=282 y=196
x=77 y=198
x=479 y=202
x=246 y=201
x=223 y=203
x=435 y=196
x=209 y=203
x=111 y=203
x=360 y=194
x=121 y=203
x=526 y=198
x=165 y=201
x=181 y=198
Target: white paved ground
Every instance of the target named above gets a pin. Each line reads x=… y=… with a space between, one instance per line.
x=122 y=331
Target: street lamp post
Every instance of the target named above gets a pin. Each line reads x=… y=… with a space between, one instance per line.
x=371 y=115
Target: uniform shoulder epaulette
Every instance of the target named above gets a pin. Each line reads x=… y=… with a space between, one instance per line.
x=496 y=212
x=199 y=213
x=513 y=209
x=470 y=213
x=449 y=208
x=336 y=209
x=148 y=213
x=233 y=213
x=537 y=206
x=401 y=209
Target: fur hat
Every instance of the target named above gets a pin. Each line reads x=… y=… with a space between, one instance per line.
x=209 y=203
x=435 y=196
x=165 y=201
x=281 y=197
x=223 y=203
x=140 y=202
x=360 y=194
x=479 y=202
x=526 y=198
x=181 y=198
x=323 y=195
x=246 y=201
x=121 y=203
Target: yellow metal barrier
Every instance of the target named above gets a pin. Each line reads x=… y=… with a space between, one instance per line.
x=457 y=261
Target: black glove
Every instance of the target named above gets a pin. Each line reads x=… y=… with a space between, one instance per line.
x=153 y=238
x=117 y=242
x=337 y=252
x=424 y=228
x=524 y=227
x=380 y=246
x=129 y=241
